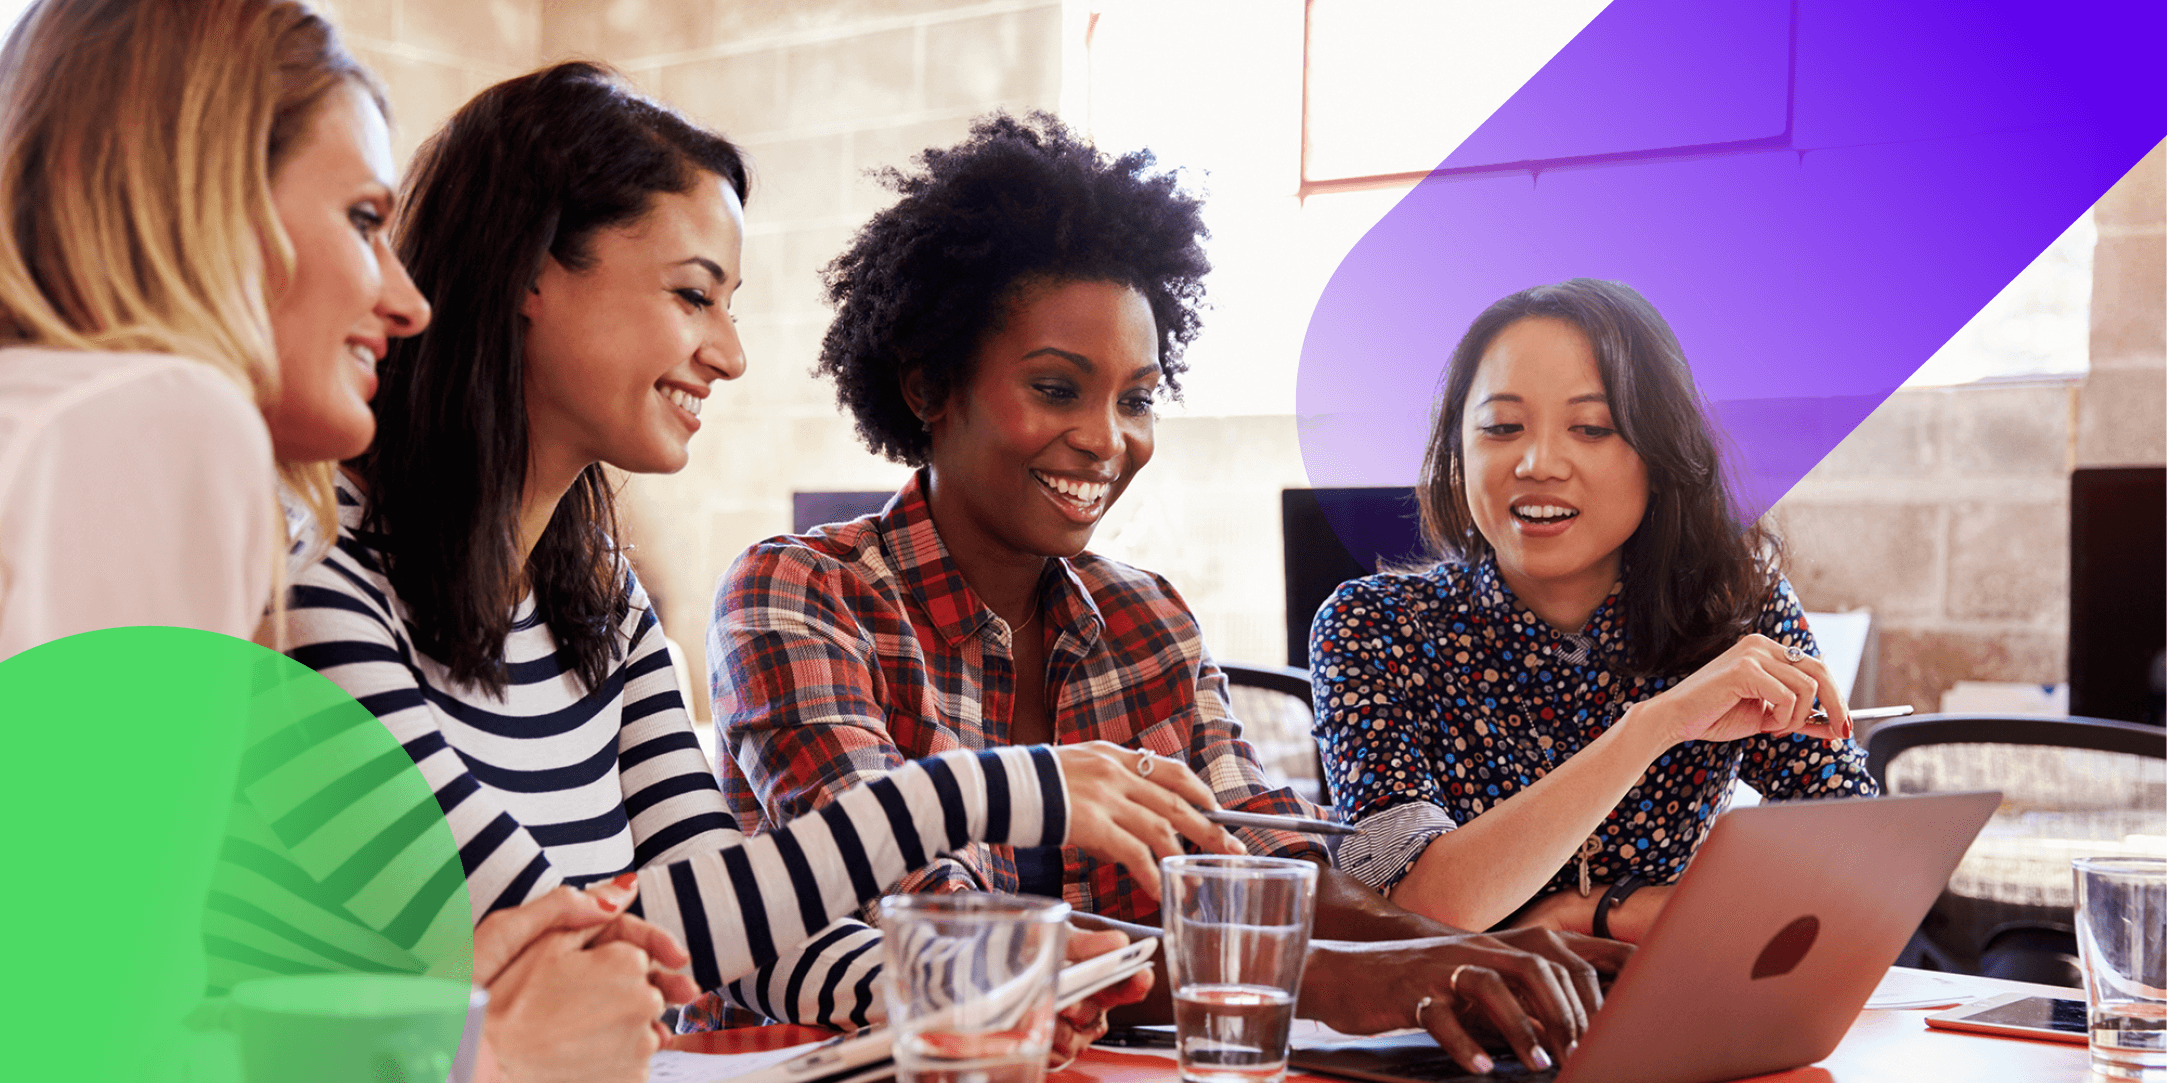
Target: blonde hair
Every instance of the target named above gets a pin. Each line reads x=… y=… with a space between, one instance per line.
x=138 y=139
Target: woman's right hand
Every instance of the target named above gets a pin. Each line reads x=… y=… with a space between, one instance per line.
x=1119 y=813
x=575 y=986
x=1752 y=688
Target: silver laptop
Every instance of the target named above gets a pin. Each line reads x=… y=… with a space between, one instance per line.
x=1778 y=932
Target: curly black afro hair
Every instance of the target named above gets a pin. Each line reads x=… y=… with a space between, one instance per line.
x=1021 y=202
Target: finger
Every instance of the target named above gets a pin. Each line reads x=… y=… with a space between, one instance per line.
x=675 y=988
x=645 y=936
x=1092 y=943
x=1802 y=686
x=1131 y=991
x=1543 y=986
x=1578 y=981
x=1130 y=853
x=1148 y=827
x=1759 y=680
x=1608 y=957
x=617 y=893
x=1453 y=1038
x=1839 y=715
x=1175 y=777
x=503 y=935
x=1186 y=818
x=1486 y=990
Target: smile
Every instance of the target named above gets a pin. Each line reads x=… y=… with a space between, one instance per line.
x=1085 y=498
x=1544 y=513
x=683 y=400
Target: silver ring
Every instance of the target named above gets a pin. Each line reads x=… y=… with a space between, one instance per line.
x=1421 y=1004
x=1793 y=654
x=1453 y=982
x=1144 y=763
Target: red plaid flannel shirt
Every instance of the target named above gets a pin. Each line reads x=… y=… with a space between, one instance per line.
x=839 y=655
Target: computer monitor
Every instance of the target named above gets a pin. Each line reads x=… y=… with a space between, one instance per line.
x=1333 y=535
x=2117 y=591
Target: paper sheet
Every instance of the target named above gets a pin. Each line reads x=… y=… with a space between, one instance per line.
x=1902 y=988
x=672 y=1066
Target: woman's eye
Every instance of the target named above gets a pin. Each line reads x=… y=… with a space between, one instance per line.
x=1058 y=392
x=1137 y=405
x=1593 y=432
x=1500 y=429
x=365 y=220
x=695 y=297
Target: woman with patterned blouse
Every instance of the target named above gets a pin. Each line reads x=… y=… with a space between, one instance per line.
x=1554 y=714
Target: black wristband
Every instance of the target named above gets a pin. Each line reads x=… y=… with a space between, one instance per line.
x=1616 y=896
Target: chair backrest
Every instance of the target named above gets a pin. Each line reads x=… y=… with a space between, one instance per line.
x=2071 y=787
x=1273 y=704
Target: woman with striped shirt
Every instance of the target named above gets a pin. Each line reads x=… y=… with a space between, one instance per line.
x=477 y=603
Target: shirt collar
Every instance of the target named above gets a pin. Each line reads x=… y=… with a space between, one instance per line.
x=1492 y=593
x=923 y=564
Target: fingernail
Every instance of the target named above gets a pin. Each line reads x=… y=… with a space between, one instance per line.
x=625 y=880
x=1540 y=1059
x=1484 y=1065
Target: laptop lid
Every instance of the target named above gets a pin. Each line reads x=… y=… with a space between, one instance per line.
x=1778 y=932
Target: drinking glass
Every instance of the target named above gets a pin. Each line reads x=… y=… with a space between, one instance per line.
x=1237 y=935
x=969 y=981
x=357 y=1028
x=2122 y=936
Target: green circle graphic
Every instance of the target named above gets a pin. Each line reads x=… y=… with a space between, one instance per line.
x=187 y=812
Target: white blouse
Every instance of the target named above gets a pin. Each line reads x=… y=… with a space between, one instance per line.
x=134 y=489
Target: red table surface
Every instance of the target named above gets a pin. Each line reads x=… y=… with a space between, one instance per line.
x=1891 y=1046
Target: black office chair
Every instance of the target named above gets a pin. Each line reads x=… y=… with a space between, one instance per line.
x=1273 y=703
x=2070 y=786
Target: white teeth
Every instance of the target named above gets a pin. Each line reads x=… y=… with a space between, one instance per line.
x=1084 y=493
x=685 y=400
x=363 y=354
x=1544 y=511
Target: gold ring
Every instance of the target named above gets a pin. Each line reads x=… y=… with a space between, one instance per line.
x=1144 y=763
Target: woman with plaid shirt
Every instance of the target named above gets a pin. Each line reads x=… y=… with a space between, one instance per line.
x=1006 y=328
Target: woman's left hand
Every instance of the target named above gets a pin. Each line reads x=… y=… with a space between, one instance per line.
x=1078 y=1025
x=1570 y=912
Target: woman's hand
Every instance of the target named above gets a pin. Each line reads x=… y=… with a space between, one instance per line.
x=1754 y=687
x=1568 y=912
x=1133 y=808
x=1078 y=1025
x=575 y=986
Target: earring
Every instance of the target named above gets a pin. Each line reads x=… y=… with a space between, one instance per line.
x=925 y=424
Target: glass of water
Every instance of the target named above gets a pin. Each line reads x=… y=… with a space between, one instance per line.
x=1237 y=934
x=2122 y=936
x=969 y=980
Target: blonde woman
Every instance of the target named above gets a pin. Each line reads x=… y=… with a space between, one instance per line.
x=194 y=290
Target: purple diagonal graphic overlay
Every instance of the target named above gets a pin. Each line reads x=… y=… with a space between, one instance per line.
x=1815 y=194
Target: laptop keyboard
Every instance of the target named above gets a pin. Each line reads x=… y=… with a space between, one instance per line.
x=1446 y=1070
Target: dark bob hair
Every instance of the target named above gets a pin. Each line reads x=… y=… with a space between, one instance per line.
x=532 y=167
x=1020 y=202
x=1695 y=578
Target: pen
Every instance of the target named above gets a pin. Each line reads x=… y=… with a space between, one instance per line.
x=1279 y=823
x=1864 y=714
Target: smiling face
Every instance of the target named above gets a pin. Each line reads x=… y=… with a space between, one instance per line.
x=620 y=355
x=1054 y=421
x=1551 y=484
x=348 y=295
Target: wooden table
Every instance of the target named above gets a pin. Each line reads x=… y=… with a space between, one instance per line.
x=1894 y=1046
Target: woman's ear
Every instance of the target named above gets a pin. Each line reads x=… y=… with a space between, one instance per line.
x=918 y=395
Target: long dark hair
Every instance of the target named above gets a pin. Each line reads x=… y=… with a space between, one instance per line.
x=1696 y=576
x=532 y=167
